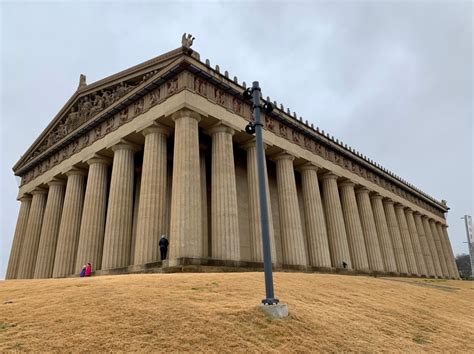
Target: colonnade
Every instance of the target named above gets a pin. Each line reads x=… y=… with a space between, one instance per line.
x=86 y=218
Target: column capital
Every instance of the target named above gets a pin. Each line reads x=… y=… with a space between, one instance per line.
x=282 y=156
x=416 y=213
x=347 y=183
x=375 y=196
x=96 y=158
x=39 y=190
x=25 y=197
x=57 y=182
x=250 y=144
x=399 y=206
x=123 y=144
x=425 y=217
x=156 y=128
x=220 y=127
x=408 y=210
x=308 y=166
x=387 y=201
x=362 y=190
x=329 y=175
x=75 y=171
x=185 y=113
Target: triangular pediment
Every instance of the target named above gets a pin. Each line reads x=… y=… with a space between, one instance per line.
x=89 y=101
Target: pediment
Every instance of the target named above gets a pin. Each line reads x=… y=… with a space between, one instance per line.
x=90 y=101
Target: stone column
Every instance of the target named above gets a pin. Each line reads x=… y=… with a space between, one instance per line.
x=27 y=262
x=406 y=239
x=381 y=226
x=17 y=244
x=355 y=236
x=439 y=249
x=395 y=236
x=50 y=230
x=337 y=238
x=293 y=245
x=224 y=215
x=151 y=223
x=450 y=249
x=254 y=206
x=118 y=224
x=318 y=245
x=415 y=241
x=91 y=237
x=186 y=223
x=446 y=252
x=70 y=225
x=425 y=248
x=432 y=245
x=374 y=254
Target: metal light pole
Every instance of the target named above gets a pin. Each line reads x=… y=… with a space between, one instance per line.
x=255 y=94
x=470 y=241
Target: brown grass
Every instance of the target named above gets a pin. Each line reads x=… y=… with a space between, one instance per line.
x=218 y=312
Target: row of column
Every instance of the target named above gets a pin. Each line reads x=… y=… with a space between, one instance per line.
x=79 y=220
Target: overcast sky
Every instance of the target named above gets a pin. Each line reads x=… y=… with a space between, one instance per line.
x=392 y=79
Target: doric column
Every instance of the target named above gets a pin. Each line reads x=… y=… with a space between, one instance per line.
x=439 y=249
x=337 y=238
x=50 y=230
x=224 y=215
x=432 y=246
x=406 y=239
x=415 y=241
x=91 y=237
x=355 y=236
x=17 y=245
x=450 y=250
x=291 y=230
x=395 y=236
x=118 y=224
x=425 y=248
x=374 y=255
x=381 y=226
x=446 y=251
x=151 y=223
x=70 y=226
x=255 y=226
x=186 y=227
x=318 y=245
x=27 y=262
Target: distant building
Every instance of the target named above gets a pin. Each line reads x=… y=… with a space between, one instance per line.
x=160 y=148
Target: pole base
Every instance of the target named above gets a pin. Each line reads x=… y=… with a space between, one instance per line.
x=270 y=301
x=275 y=311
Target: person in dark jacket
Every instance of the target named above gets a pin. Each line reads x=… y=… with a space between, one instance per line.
x=83 y=271
x=163 y=247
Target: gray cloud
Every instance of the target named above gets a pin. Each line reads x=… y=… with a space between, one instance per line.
x=392 y=79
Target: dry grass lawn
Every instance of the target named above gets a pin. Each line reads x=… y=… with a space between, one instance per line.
x=218 y=312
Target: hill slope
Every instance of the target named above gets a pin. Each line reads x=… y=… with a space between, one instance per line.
x=218 y=312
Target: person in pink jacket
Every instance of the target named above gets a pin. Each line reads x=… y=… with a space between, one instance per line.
x=88 y=270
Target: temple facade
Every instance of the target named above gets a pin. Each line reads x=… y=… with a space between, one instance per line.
x=161 y=149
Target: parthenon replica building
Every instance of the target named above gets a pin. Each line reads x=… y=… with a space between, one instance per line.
x=161 y=149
